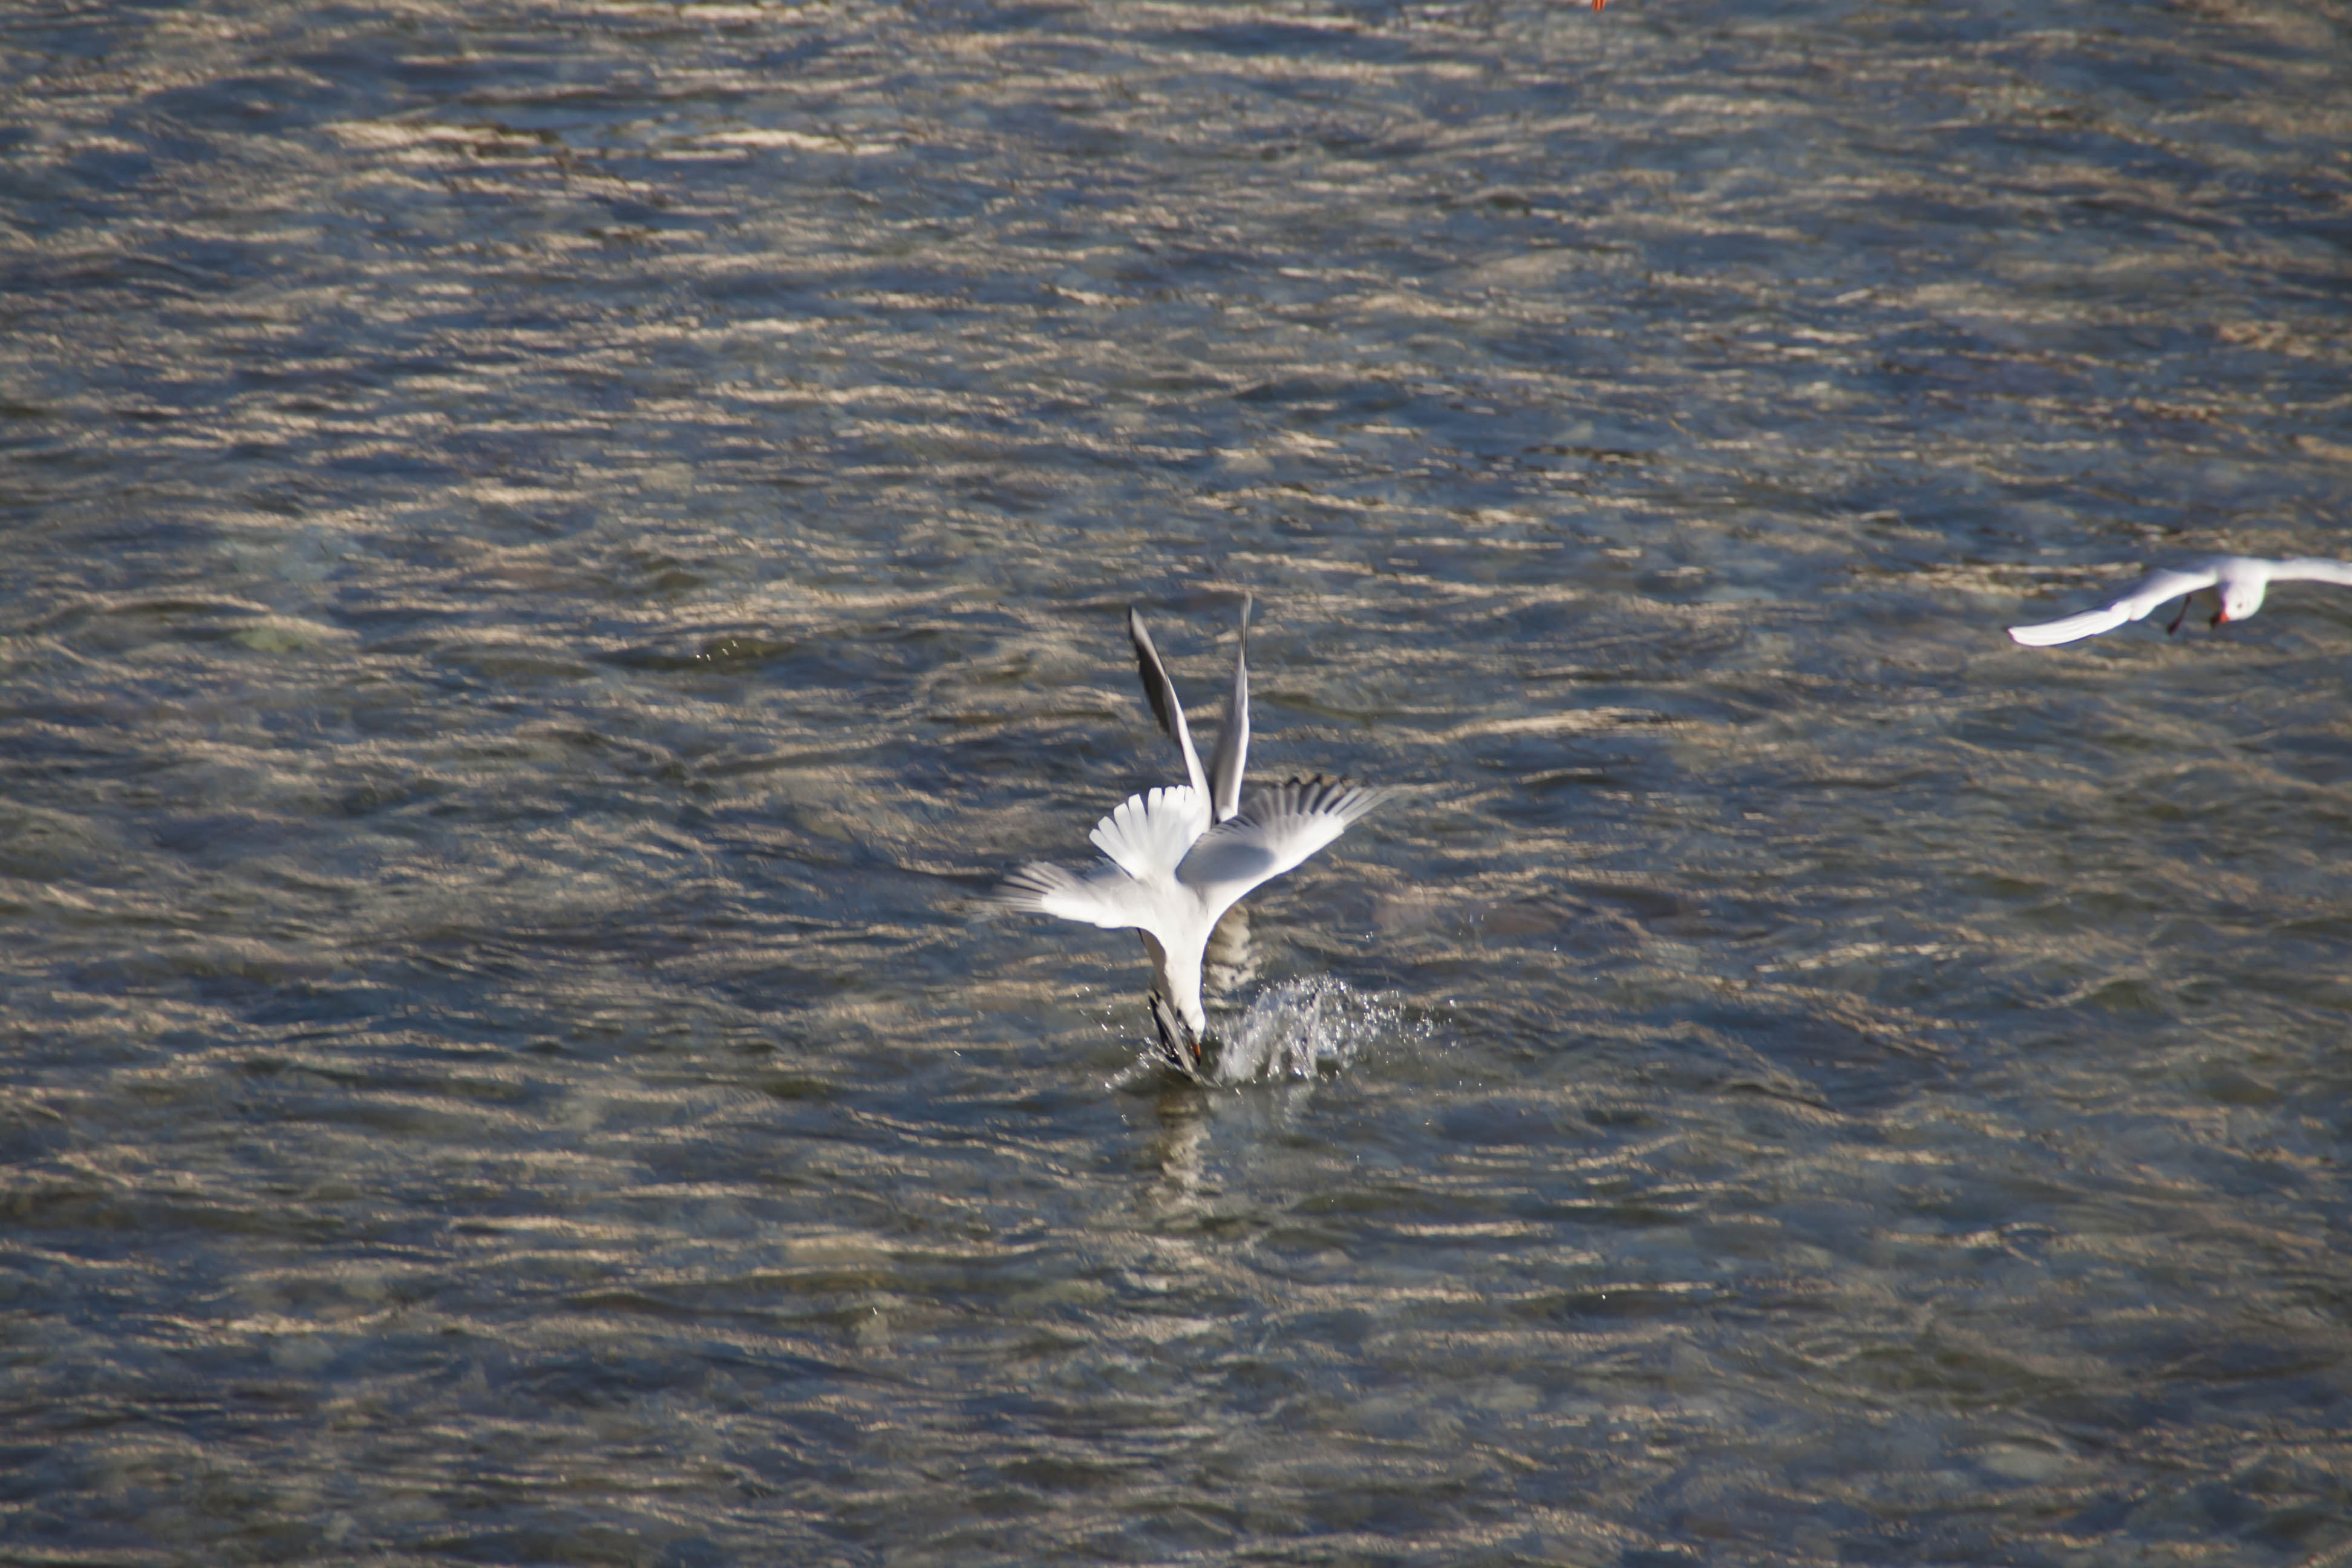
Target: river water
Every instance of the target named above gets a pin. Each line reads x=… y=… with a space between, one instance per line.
x=555 y=553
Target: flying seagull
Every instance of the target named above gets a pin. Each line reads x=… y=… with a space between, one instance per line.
x=1176 y=859
x=2235 y=584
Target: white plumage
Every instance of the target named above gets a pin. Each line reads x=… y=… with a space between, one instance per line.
x=2236 y=583
x=1176 y=859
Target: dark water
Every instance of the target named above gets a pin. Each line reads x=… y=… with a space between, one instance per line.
x=556 y=552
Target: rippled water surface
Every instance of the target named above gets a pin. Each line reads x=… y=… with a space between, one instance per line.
x=555 y=553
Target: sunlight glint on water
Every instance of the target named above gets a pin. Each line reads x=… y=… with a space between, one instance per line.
x=557 y=551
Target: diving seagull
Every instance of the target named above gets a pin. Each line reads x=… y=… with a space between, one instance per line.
x=1176 y=859
x=2234 y=582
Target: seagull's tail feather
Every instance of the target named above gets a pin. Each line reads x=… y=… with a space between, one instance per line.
x=1145 y=834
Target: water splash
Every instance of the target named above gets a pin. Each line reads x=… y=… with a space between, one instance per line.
x=1300 y=1028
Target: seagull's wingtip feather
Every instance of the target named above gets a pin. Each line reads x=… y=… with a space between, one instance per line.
x=1314 y=794
x=2074 y=627
x=1029 y=888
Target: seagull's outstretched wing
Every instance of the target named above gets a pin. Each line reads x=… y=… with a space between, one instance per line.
x=2144 y=595
x=1275 y=829
x=1106 y=897
x=1160 y=692
x=1232 y=740
x=2311 y=569
x=1144 y=840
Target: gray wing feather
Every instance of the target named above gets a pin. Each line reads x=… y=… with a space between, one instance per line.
x=1160 y=692
x=1275 y=829
x=1232 y=740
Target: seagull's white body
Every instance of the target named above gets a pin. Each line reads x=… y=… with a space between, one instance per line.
x=2236 y=581
x=1177 y=859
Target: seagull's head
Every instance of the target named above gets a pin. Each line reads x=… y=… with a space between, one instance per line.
x=1183 y=1030
x=2240 y=597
